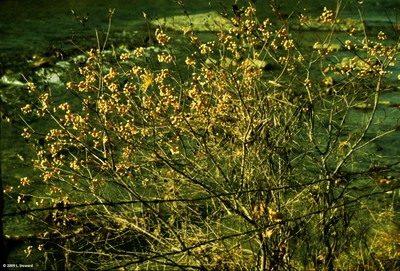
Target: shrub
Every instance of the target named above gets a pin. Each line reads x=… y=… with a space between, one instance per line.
x=239 y=153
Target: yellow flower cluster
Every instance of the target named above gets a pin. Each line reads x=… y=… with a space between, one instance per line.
x=161 y=37
x=327 y=16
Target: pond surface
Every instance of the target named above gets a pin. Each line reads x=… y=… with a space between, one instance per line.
x=32 y=27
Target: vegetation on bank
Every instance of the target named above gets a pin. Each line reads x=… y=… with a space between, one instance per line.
x=236 y=152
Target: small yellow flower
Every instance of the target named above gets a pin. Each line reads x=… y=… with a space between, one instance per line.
x=174 y=150
x=164 y=58
x=41 y=247
x=26 y=133
x=303 y=19
x=31 y=87
x=207 y=48
x=185 y=30
x=125 y=56
x=382 y=35
x=190 y=61
x=139 y=52
x=308 y=83
x=161 y=37
x=288 y=43
x=25 y=181
x=250 y=11
x=349 y=45
x=40 y=203
x=147 y=80
x=327 y=15
x=27 y=109
x=8 y=189
x=28 y=250
x=54 y=189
